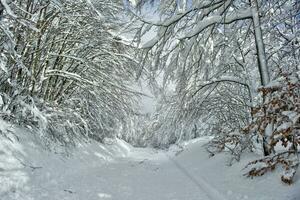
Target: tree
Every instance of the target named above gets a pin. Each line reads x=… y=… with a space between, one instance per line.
x=63 y=69
x=217 y=54
x=191 y=48
x=278 y=120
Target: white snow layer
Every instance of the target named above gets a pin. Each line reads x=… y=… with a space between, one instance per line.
x=117 y=171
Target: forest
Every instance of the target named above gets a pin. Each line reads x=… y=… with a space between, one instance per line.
x=79 y=72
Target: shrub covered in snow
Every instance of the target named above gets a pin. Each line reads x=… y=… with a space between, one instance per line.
x=277 y=122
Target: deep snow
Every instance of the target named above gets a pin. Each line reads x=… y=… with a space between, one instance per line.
x=118 y=171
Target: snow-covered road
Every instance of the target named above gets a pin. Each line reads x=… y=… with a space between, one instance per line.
x=93 y=172
x=144 y=174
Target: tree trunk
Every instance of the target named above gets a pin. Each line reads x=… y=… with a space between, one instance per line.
x=1 y=10
x=262 y=60
x=260 y=46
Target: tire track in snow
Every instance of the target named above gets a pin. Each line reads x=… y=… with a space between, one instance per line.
x=202 y=184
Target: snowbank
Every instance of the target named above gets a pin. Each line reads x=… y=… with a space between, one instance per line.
x=25 y=164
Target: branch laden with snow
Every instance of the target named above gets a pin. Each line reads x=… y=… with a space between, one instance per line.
x=277 y=122
x=62 y=72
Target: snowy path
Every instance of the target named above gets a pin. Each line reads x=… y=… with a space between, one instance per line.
x=146 y=180
x=141 y=174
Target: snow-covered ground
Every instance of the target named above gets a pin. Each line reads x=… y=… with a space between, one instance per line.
x=117 y=171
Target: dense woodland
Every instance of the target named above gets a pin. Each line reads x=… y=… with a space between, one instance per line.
x=226 y=68
x=63 y=72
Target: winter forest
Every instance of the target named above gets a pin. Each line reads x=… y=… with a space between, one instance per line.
x=149 y=99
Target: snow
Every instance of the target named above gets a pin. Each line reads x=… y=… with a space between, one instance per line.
x=292 y=115
x=116 y=170
x=149 y=44
x=134 y=2
x=269 y=130
x=104 y=196
x=210 y=20
x=100 y=16
x=3 y=63
x=8 y=9
x=284 y=126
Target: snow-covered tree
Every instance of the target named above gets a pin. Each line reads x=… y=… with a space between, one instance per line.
x=63 y=69
x=278 y=120
x=217 y=54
